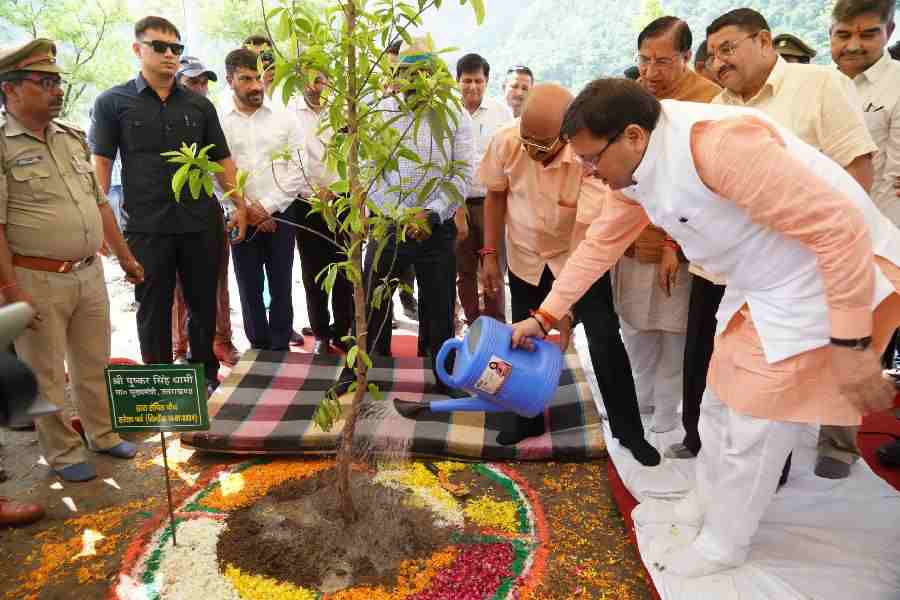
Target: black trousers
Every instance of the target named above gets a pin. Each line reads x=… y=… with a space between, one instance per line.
x=701 y=333
x=434 y=260
x=194 y=257
x=608 y=356
x=317 y=253
x=269 y=255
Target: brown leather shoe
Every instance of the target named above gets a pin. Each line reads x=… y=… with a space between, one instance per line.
x=14 y=514
x=226 y=353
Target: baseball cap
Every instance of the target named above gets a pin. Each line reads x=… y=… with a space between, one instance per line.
x=192 y=67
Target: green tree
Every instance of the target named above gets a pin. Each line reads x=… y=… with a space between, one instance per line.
x=91 y=38
x=346 y=40
x=231 y=21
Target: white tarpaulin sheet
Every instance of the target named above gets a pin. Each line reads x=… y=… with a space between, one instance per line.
x=820 y=539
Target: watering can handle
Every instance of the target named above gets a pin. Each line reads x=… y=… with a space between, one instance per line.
x=448 y=346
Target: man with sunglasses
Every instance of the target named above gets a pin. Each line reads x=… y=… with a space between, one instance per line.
x=53 y=220
x=820 y=106
x=812 y=294
x=172 y=237
x=535 y=195
x=652 y=286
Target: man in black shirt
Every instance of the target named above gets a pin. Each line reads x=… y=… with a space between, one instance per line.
x=142 y=118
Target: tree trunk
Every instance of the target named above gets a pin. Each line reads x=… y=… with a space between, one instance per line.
x=345 y=452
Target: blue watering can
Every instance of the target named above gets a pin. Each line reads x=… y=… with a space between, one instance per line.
x=500 y=377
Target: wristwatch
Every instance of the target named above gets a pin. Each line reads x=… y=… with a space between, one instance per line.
x=853 y=344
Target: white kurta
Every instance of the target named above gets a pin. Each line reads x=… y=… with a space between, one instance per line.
x=653 y=329
x=640 y=301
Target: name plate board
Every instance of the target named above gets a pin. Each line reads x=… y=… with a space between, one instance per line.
x=157 y=397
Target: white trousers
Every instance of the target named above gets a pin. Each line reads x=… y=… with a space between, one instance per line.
x=657 y=361
x=737 y=476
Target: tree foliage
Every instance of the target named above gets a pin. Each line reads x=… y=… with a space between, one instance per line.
x=92 y=39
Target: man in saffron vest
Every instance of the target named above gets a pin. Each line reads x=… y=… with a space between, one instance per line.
x=811 y=266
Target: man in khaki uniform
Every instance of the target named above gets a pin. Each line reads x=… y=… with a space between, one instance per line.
x=53 y=220
x=792 y=49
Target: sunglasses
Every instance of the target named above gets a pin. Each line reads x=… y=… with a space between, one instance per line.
x=160 y=46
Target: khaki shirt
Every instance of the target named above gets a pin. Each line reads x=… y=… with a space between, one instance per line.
x=818 y=104
x=49 y=196
x=542 y=204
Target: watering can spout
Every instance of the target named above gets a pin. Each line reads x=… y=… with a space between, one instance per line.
x=470 y=404
x=412 y=409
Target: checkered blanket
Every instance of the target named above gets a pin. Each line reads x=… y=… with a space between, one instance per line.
x=267 y=403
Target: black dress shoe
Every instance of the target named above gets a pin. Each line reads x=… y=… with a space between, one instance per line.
x=643 y=451
x=322 y=346
x=340 y=345
x=525 y=428
x=889 y=454
x=296 y=339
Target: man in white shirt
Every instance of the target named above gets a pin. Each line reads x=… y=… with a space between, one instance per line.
x=518 y=84
x=315 y=251
x=859 y=33
x=256 y=131
x=488 y=116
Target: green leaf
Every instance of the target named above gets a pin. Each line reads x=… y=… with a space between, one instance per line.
x=340 y=187
x=179 y=179
x=351 y=356
x=364 y=356
x=376 y=393
x=208 y=185
x=409 y=155
x=453 y=193
x=195 y=184
x=478 y=5
x=204 y=150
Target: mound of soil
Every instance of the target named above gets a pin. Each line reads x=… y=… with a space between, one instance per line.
x=297 y=534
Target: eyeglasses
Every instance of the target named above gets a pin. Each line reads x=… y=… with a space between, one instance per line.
x=727 y=49
x=160 y=46
x=538 y=147
x=591 y=160
x=645 y=61
x=48 y=83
